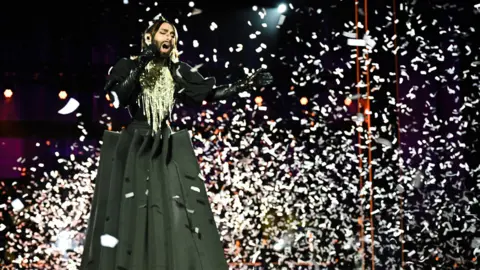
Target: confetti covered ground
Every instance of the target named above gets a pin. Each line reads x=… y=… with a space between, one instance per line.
x=365 y=155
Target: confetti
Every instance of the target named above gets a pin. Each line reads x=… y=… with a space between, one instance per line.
x=70 y=107
x=17 y=205
x=284 y=179
x=108 y=241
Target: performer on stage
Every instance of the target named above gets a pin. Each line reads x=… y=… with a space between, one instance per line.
x=149 y=192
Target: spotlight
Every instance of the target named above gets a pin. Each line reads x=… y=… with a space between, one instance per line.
x=8 y=93
x=282 y=8
x=62 y=94
x=259 y=100
x=304 y=101
x=348 y=101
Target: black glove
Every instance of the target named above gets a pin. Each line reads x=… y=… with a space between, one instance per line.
x=124 y=83
x=261 y=77
x=148 y=54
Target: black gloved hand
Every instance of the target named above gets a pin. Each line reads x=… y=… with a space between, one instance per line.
x=148 y=54
x=261 y=77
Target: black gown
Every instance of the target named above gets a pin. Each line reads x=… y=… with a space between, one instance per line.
x=150 y=193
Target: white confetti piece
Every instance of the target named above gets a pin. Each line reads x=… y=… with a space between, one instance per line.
x=107 y=240
x=196 y=67
x=70 y=107
x=356 y=42
x=17 y=205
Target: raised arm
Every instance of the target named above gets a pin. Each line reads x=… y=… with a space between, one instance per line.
x=122 y=82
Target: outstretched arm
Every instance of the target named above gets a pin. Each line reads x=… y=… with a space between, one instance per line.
x=259 y=78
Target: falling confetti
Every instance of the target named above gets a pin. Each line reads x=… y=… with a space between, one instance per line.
x=70 y=107
x=290 y=183
x=108 y=241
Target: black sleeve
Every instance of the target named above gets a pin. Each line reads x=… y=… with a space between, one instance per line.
x=122 y=83
x=222 y=92
x=194 y=88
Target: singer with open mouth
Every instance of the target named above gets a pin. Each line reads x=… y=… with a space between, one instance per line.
x=150 y=197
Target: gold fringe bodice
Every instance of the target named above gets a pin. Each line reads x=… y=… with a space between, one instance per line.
x=157 y=96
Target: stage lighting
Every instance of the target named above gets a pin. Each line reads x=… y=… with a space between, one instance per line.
x=282 y=8
x=304 y=101
x=259 y=100
x=62 y=94
x=8 y=93
x=348 y=101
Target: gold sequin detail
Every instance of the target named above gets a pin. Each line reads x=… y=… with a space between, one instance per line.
x=157 y=97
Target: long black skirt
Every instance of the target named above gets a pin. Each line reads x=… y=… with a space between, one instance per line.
x=151 y=197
